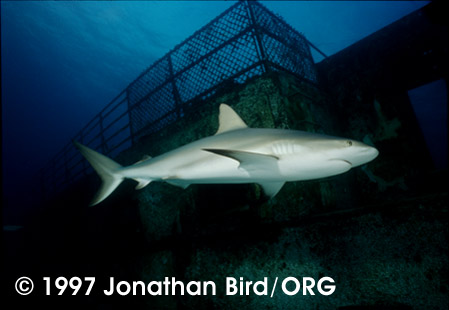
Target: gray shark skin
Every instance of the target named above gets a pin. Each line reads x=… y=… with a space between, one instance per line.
x=238 y=154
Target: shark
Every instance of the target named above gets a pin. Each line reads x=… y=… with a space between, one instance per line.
x=237 y=154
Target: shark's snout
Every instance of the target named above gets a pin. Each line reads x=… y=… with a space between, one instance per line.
x=373 y=153
x=363 y=154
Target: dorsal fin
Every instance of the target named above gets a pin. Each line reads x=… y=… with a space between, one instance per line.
x=229 y=120
x=145 y=157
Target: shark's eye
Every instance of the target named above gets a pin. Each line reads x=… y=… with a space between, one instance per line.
x=348 y=143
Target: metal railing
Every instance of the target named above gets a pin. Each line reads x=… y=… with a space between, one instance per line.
x=244 y=41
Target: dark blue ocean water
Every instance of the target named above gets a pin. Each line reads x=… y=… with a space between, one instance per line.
x=63 y=61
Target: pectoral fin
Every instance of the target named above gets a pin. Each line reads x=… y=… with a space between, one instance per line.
x=251 y=162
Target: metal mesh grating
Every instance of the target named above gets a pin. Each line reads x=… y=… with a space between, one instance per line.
x=152 y=78
x=245 y=41
x=210 y=37
x=288 y=59
x=226 y=62
x=284 y=46
x=147 y=112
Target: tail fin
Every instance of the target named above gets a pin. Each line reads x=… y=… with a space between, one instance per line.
x=106 y=169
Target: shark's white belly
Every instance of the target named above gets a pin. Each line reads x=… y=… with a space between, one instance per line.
x=200 y=167
x=213 y=170
x=192 y=164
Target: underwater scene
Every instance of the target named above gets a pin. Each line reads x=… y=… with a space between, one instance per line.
x=224 y=155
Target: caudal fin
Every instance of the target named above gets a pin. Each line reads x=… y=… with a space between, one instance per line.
x=106 y=169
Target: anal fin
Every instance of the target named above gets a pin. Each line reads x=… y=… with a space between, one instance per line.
x=142 y=183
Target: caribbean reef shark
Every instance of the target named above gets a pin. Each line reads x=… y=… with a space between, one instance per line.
x=238 y=154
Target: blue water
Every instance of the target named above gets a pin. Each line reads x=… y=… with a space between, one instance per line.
x=429 y=103
x=64 y=61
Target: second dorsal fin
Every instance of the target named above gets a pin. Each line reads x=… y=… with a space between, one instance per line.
x=145 y=157
x=229 y=120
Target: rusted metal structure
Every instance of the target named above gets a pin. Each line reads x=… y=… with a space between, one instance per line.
x=245 y=41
